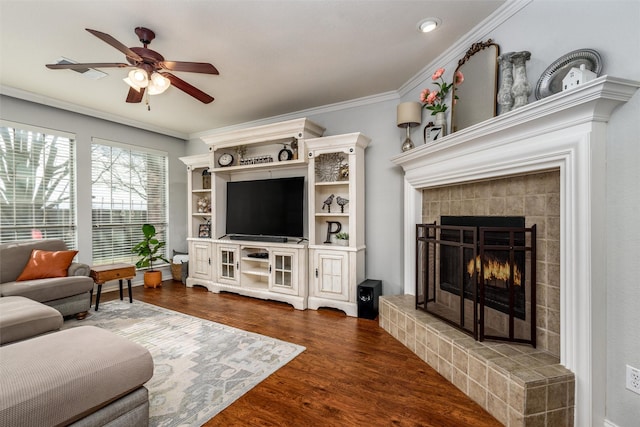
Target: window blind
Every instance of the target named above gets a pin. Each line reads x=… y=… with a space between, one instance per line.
x=128 y=189
x=37 y=184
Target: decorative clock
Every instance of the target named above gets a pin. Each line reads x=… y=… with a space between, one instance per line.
x=225 y=159
x=285 y=154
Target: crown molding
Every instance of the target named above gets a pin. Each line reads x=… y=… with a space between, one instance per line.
x=339 y=106
x=68 y=106
x=459 y=48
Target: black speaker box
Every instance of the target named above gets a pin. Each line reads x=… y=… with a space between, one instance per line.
x=369 y=292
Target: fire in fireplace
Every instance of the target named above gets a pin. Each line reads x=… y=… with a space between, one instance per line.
x=495 y=265
x=479 y=274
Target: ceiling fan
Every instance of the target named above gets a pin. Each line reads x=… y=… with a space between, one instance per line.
x=150 y=68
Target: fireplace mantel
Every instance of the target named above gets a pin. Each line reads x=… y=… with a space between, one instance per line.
x=565 y=131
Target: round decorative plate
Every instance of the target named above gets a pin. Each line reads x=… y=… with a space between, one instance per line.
x=550 y=81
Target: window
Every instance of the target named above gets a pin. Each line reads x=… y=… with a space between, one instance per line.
x=37 y=184
x=128 y=189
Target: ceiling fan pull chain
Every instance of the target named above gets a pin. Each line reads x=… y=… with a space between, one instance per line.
x=146 y=100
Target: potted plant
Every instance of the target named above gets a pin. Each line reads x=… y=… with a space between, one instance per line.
x=149 y=250
x=342 y=239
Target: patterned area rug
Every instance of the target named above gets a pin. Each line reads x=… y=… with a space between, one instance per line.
x=201 y=367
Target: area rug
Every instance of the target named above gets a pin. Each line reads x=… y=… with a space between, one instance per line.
x=201 y=367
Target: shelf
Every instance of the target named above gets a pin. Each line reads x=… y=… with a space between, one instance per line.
x=251 y=259
x=261 y=273
x=332 y=214
x=332 y=183
x=202 y=214
x=208 y=190
x=270 y=165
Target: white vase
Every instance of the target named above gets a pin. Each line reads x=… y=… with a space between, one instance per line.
x=441 y=120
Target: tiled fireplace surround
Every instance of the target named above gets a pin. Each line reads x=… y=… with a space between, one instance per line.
x=546 y=157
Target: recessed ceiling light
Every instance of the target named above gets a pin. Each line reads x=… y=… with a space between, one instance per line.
x=429 y=24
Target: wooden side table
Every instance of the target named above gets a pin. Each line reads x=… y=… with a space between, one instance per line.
x=103 y=273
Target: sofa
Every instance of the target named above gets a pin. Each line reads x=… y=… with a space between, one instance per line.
x=70 y=295
x=81 y=376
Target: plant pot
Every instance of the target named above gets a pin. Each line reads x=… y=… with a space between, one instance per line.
x=152 y=279
x=342 y=242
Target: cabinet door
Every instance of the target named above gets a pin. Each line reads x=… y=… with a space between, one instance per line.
x=200 y=260
x=331 y=275
x=284 y=274
x=228 y=264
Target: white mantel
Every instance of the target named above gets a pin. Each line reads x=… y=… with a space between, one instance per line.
x=566 y=131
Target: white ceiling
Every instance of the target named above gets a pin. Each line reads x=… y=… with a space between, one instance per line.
x=274 y=56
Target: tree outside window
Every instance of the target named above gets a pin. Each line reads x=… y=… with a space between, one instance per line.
x=37 y=185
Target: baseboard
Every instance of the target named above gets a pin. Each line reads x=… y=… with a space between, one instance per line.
x=608 y=423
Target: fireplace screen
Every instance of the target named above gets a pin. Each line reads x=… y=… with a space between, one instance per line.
x=478 y=273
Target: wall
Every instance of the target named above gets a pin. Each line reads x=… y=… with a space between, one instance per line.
x=84 y=128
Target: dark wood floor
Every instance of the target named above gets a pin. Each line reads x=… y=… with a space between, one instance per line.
x=352 y=373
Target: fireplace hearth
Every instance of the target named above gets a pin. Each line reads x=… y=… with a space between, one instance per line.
x=478 y=274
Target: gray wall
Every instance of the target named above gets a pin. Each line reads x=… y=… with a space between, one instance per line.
x=85 y=128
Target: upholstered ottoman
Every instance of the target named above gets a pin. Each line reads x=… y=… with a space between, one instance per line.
x=84 y=374
x=22 y=318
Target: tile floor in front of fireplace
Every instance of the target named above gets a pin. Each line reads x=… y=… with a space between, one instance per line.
x=517 y=384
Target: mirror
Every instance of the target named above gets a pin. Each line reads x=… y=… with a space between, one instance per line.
x=477 y=94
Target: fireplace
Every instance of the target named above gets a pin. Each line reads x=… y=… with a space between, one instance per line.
x=565 y=132
x=478 y=274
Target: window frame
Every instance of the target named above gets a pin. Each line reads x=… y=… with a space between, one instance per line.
x=132 y=235
x=67 y=229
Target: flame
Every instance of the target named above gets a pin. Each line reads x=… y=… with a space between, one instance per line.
x=495 y=270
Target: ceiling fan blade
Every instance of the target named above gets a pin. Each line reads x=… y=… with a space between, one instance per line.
x=134 y=96
x=87 y=65
x=188 y=89
x=115 y=43
x=191 y=67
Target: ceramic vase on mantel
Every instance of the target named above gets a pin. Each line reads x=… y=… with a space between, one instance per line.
x=505 y=97
x=521 y=88
x=441 y=120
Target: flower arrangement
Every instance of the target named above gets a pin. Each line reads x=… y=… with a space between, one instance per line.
x=434 y=99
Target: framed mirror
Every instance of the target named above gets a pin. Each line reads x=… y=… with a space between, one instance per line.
x=477 y=93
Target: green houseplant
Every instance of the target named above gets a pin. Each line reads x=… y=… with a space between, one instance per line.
x=149 y=251
x=342 y=239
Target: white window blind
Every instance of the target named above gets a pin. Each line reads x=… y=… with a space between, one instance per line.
x=128 y=189
x=37 y=184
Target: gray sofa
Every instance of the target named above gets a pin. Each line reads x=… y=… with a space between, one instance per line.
x=69 y=295
x=82 y=376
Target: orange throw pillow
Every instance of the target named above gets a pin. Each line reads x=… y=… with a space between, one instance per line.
x=47 y=264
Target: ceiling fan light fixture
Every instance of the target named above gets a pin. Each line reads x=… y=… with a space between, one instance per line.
x=429 y=24
x=139 y=77
x=158 y=84
x=128 y=81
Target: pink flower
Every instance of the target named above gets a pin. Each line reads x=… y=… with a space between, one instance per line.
x=458 y=78
x=433 y=96
x=439 y=72
x=424 y=95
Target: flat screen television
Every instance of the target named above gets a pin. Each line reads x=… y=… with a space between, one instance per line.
x=267 y=207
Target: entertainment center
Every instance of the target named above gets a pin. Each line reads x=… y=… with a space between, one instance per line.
x=266 y=206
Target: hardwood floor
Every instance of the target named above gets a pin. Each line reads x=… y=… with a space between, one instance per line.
x=352 y=373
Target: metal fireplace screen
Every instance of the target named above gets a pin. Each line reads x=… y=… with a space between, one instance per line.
x=479 y=279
